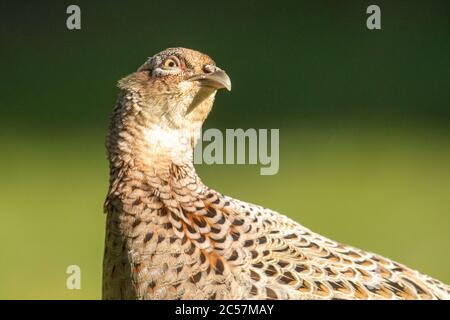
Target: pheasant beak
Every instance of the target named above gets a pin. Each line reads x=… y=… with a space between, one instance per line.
x=216 y=79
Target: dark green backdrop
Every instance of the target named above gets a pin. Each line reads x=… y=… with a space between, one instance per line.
x=364 y=121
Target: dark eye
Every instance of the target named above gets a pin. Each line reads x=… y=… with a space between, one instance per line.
x=171 y=62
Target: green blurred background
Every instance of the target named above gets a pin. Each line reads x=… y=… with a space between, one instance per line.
x=364 y=121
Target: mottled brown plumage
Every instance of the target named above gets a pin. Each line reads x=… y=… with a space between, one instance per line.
x=168 y=236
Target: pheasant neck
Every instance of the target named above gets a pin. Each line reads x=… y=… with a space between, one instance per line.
x=151 y=150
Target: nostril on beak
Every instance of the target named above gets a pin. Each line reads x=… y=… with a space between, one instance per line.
x=213 y=77
x=209 y=68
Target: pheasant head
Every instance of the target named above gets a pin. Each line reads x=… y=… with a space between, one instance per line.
x=163 y=105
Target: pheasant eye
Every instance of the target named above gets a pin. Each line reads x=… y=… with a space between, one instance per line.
x=170 y=63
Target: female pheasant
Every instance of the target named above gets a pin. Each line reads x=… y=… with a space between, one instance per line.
x=168 y=236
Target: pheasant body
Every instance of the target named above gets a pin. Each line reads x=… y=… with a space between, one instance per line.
x=168 y=236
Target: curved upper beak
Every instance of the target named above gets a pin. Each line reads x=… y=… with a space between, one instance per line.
x=217 y=79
